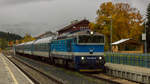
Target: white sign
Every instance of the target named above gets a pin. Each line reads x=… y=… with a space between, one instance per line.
x=143 y=36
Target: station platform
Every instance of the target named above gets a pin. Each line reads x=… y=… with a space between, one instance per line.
x=10 y=74
x=133 y=73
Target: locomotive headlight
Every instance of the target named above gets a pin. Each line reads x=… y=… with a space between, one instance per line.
x=82 y=58
x=92 y=32
x=100 y=58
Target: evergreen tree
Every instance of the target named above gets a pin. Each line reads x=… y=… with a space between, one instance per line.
x=148 y=28
x=6 y=37
x=9 y=36
x=3 y=43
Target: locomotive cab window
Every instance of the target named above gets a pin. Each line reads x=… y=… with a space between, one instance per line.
x=90 y=39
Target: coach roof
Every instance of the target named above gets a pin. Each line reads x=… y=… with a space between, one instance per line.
x=20 y=44
x=27 y=43
x=43 y=40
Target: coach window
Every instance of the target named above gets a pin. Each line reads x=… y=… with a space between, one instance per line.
x=37 y=47
x=45 y=46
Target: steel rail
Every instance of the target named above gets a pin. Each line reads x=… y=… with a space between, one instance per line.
x=38 y=71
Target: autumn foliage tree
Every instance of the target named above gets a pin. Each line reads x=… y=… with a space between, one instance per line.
x=3 y=43
x=27 y=38
x=11 y=43
x=126 y=22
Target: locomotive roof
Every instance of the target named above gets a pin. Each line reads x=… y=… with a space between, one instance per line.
x=67 y=35
x=83 y=33
x=87 y=32
x=43 y=40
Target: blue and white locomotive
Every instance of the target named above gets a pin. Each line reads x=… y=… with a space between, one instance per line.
x=82 y=50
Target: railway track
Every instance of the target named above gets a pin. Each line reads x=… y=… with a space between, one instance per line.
x=37 y=76
x=110 y=80
x=102 y=78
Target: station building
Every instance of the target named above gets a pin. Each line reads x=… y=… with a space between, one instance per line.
x=75 y=26
x=44 y=35
x=127 y=46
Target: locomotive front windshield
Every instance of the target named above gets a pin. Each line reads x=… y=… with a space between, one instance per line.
x=91 y=39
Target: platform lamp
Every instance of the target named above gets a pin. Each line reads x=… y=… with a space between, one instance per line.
x=111 y=21
x=144 y=35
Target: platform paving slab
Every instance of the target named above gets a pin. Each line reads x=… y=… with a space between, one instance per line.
x=10 y=74
x=134 y=73
x=133 y=69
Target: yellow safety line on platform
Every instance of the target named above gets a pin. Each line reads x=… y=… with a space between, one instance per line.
x=12 y=75
x=20 y=72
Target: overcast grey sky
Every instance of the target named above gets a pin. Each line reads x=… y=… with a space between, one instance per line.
x=37 y=16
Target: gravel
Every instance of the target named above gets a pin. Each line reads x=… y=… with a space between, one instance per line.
x=68 y=76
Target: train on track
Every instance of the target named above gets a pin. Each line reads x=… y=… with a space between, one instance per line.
x=82 y=50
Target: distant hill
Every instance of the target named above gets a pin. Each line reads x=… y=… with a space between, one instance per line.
x=9 y=36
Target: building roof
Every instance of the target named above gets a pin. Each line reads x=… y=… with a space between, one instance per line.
x=46 y=34
x=120 y=41
x=71 y=25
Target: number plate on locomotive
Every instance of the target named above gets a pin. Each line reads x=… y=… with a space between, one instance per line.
x=91 y=57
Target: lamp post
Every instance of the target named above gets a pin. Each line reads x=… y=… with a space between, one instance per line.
x=145 y=38
x=111 y=21
x=111 y=35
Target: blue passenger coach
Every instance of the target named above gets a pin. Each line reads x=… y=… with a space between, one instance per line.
x=19 y=48
x=41 y=47
x=28 y=46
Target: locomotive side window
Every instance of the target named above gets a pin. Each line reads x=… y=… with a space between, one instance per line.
x=75 y=40
x=69 y=46
x=91 y=39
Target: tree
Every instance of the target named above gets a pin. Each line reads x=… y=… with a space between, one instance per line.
x=11 y=43
x=126 y=22
x=27 y=38
x=148 y=27
x=9 y=36
x=3 y=43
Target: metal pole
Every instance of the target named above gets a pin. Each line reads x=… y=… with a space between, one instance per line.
x=111 y=31
x=145 y=39
x=111 y=35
